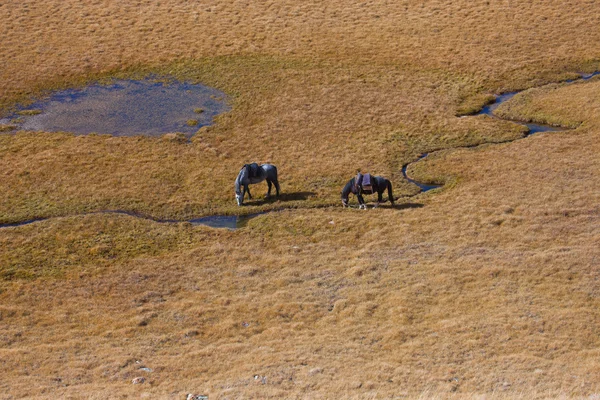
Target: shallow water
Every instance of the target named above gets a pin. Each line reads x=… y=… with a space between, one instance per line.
x=126 y=108
x=533 y=128
x=224 y=221
x=425 y=187
x=489 y=109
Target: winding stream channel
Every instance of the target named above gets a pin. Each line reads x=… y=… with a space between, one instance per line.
x=214 y=221
x=238 y=221
x=489 y=111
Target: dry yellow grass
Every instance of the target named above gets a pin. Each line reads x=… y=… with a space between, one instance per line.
x=487 y=288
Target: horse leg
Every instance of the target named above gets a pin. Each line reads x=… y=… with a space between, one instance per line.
x=247 y=190
x=380 y=196
x=390 y=194
x=275 y=180
x=269 y=184
x=361 y=202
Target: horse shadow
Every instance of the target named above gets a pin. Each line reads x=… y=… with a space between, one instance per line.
x=405 y=206
x=283 y=197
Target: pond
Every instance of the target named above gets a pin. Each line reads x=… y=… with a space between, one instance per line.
x=124 y=108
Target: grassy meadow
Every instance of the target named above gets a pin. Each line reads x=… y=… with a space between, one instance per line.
x=488 y=288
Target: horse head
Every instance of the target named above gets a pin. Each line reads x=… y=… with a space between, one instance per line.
x=344 y=201
x=346 y=192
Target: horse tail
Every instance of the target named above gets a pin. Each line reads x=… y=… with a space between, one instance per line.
x=390 y=194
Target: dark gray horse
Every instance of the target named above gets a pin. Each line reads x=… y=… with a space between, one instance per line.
x=251 y=174
x=378 y=184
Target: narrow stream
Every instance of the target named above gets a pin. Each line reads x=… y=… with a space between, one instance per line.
x=230 y=222
x=489 y=110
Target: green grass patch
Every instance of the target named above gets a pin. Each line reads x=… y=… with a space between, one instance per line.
x=29 y=112
x=7 y=128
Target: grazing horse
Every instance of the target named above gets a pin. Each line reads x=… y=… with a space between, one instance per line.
x=251 y=174
x=378 y=185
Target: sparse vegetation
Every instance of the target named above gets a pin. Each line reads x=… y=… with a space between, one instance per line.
x=7 y=128
x=29 y=112
x=486 y=288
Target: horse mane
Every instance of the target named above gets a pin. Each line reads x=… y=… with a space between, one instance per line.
x=238 y=180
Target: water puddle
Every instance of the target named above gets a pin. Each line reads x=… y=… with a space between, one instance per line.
x=124 y=108
x=224 y=221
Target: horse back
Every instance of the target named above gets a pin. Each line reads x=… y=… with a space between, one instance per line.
x=270 y=172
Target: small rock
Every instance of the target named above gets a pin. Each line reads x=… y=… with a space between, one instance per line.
x=315 y=371
x=245 y=324
x=145 y=369
x=196 y=397
x=331 y=222
x=138 y=380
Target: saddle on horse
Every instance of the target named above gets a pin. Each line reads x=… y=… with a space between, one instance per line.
x=254 y=170
x=363 y=183
x=367 y=183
